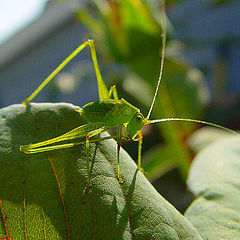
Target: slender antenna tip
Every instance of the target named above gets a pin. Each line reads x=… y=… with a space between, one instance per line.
x=163 y=35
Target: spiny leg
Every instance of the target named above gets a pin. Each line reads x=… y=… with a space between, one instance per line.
x=85 y=191
x=89 y=170
x=102 y=89
x=140 y=140
x=119 y=139
x=87 y=159
x=118 y=163
x=94 y=156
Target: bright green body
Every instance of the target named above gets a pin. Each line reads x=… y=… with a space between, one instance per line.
x=114 y=113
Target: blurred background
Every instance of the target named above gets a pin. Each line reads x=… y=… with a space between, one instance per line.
x=200 y=79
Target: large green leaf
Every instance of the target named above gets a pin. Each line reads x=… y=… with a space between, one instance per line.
x=214 y=178
x=41 y=195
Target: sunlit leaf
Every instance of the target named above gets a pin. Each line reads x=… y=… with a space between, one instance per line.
x=41 y=195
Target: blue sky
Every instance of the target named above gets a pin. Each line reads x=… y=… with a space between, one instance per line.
x=15 y=14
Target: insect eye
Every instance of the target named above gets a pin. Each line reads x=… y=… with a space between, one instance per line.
x=139 y=117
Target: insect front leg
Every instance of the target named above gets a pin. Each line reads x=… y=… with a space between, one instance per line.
x=140 y=140
x=119 y=139
x=87 y=158
x=118 y=164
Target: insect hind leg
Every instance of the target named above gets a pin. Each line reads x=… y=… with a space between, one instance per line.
x=102 y=89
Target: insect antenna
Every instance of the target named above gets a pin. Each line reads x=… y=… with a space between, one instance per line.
x=163 y=20
x=192 y=120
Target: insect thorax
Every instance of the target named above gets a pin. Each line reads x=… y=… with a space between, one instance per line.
x=111 y=112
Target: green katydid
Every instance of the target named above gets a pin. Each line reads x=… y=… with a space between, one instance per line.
x=104 y=114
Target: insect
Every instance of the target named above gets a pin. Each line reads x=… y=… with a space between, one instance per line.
x=105 y=114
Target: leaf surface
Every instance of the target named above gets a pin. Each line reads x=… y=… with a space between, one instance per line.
x=41 y=195
x=214 y=178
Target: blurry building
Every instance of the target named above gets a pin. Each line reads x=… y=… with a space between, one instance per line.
x=209 y=28
x=211 y=32
x=30 y=55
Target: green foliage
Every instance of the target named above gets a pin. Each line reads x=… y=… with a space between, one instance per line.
x=41 y=195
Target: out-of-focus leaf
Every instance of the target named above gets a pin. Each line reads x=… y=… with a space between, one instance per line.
x=205 y=136
x=41 y=195
x=214 y=179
